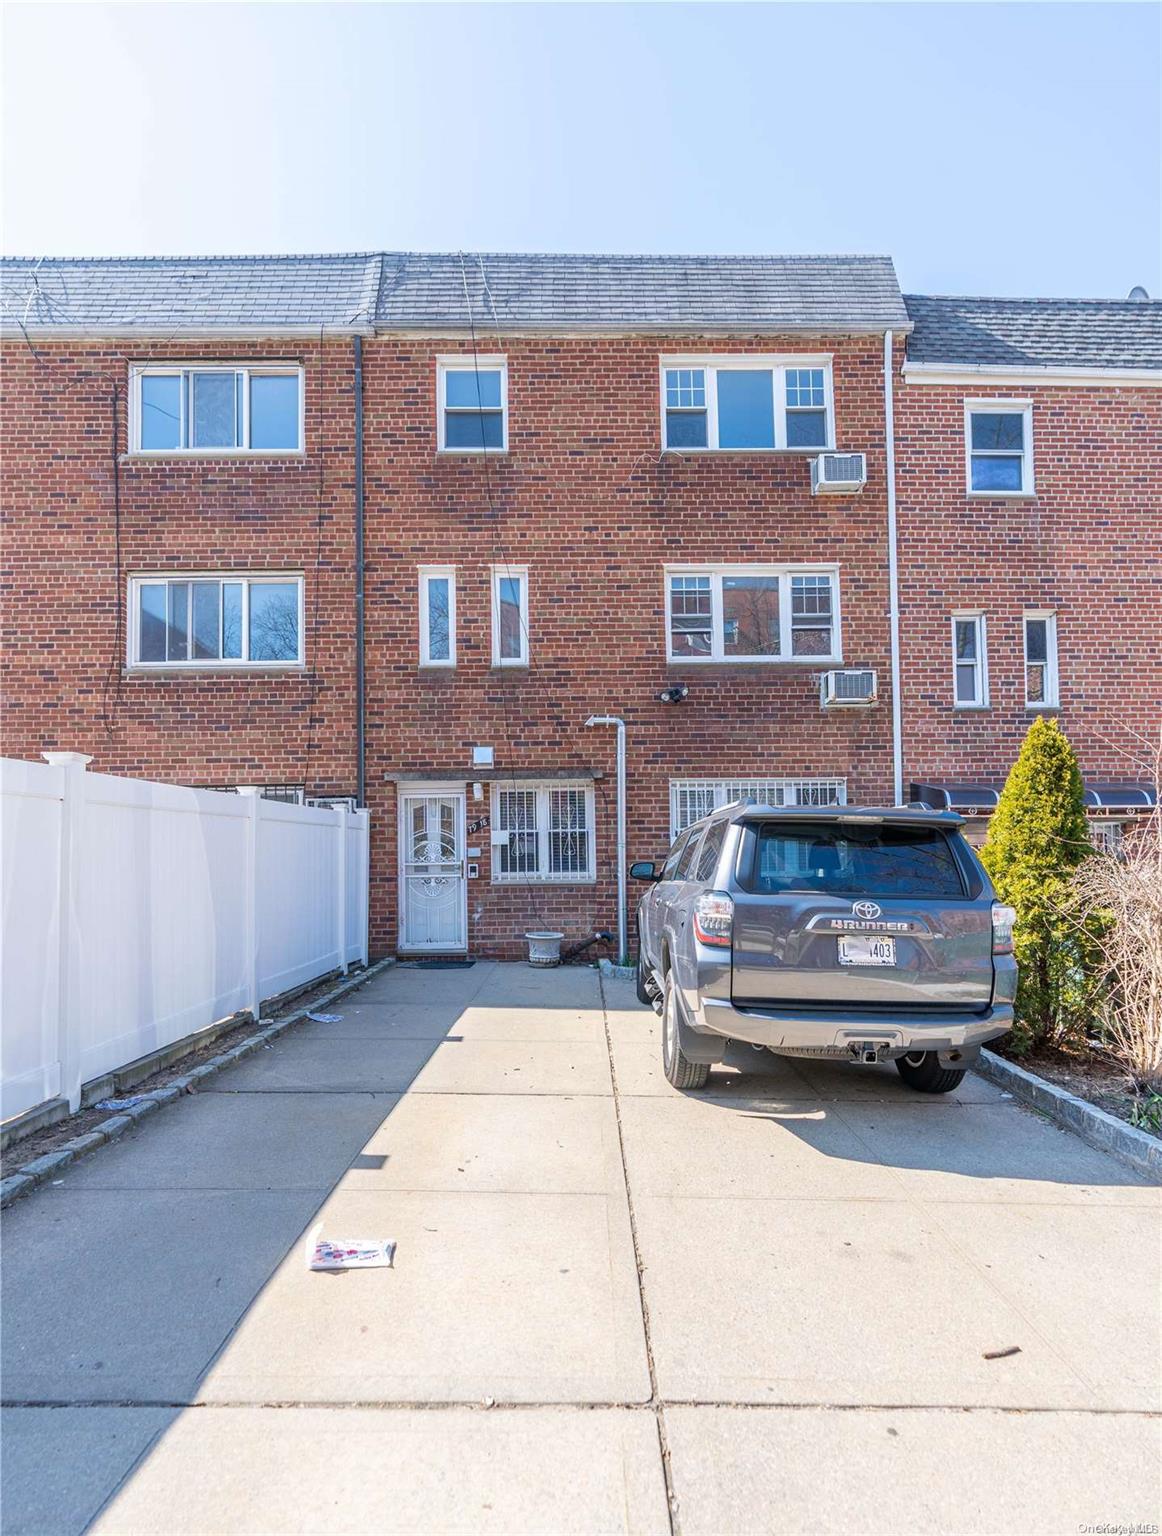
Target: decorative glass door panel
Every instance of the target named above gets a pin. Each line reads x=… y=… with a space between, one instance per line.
x=433 y=889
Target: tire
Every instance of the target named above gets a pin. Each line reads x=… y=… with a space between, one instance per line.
x=680 y=1072
x=643 y=992
x=922 y=1071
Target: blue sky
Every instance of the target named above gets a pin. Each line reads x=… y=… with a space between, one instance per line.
x=994 y=149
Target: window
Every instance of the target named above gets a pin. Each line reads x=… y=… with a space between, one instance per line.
x=746 y=403
x=215 y=621
x=691 y=799
x=1040 y=660
x=219 y=409
x=999 y=436
x=685 y=866
x=969 y=665
x=866 y=861
x=674 y=856
x=1108 y=837
x=751 y=613
x=437 y=616
x=472 y=405
x=510 y=616
x=543 y=832
x=710 y=851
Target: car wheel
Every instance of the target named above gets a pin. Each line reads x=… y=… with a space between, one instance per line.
x=644 y=994
x=680 y=1071
x=922 y=1071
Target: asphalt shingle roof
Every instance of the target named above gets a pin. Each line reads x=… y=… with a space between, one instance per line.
x=160 y=293
x=1040 y=333
x=770 y=293
x=407 y=291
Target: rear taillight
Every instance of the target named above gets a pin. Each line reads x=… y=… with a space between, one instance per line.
x=713 y=916
x=1003 y=920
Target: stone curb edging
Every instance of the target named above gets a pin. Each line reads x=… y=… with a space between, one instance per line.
x=618 y=972
x=1098 y=1127
x=26 y=1179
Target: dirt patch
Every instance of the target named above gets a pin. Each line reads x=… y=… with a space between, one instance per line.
x=53 y=1137
x=1092 y=1075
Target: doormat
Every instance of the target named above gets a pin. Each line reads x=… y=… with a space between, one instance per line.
x=438 y=965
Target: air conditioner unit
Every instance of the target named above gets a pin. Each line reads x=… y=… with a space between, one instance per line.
x=838 y=474
x=847 y=687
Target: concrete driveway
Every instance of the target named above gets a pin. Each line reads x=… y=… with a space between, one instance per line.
x=768 y=1307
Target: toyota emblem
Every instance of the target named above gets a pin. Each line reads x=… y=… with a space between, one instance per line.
x=865 y=909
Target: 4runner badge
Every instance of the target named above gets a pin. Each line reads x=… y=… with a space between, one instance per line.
x=866 y=909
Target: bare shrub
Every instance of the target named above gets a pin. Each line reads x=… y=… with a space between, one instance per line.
x=1120 y=895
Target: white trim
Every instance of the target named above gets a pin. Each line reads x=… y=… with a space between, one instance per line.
x=980 y=661
x=501 y=573
x=1000 y=406
x=446 y=573
x=182 y=370
x=213 y=663
x=1052 y=699
x=459 y=362
x=1031 y=373
x=542 y=789
x=774 y=364
x=784 y=574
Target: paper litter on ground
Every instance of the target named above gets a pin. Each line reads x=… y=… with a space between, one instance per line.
x=325 y=1018
x=127 y=1103
x=353 y=1253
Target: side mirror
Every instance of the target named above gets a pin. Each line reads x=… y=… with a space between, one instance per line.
x=643 y=870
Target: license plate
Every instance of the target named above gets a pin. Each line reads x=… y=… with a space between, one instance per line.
x=860 y=950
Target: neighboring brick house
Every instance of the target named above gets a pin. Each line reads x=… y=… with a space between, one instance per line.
x=587 y=491
x=1029 y=456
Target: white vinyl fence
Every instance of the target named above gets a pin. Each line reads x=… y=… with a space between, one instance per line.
x=136 y=913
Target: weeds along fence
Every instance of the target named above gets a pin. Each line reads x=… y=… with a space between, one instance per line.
x=138 y=913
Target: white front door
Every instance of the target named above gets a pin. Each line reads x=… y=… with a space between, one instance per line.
x=433 y=889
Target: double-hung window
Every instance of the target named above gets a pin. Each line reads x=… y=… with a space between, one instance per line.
x=999 y=443
x=1040 y=660
x=216 y=408
x=543 y=832
x=751 y=613
x=472 y=405
x=969 y=661
x=204 y=620
x=746 y=403
x=510 y=616
x=437 y=616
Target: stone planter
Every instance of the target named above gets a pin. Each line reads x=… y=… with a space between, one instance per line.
x=544 y=947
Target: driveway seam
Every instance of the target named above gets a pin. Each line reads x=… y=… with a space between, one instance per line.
x=655 y=1404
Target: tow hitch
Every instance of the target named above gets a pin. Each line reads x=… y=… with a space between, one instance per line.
x=867 y=1052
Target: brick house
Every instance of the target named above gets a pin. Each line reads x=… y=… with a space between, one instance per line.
x=582 y=487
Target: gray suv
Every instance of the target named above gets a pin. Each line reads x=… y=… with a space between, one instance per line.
x=843 y=934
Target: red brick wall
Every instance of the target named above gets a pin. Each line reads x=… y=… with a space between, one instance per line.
x=587 y=501
x=1087 y=544
x=65 y=684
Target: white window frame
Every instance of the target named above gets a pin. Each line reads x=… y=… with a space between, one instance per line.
x=501 y=573
x=542 y=790
x=1022 y=408
x=737 y=362
x=248 y=579
x=784 y=573
x=1048 y=616
x=759 y=787
x=429 y=573
x=138 y=371
x=457 y=363
x=961 y=616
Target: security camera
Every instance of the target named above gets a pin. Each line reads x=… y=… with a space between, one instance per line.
x=673 y=695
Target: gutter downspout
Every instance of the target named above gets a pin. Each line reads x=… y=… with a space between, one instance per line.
x=893 y=577
x=622 y=951
x=360 y=724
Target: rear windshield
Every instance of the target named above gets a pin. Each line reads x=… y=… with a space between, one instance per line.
x=855 y=861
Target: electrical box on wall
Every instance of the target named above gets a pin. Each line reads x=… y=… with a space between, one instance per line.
x=474 y=871
x=482 y=757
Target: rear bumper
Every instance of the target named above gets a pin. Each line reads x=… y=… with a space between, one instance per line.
x=803 y=1032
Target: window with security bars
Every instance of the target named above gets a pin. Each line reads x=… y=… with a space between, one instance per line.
x=691 y=799
x=543 y=832
x=289 y=794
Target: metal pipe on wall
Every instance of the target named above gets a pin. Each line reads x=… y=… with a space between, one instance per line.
x=616 y=720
